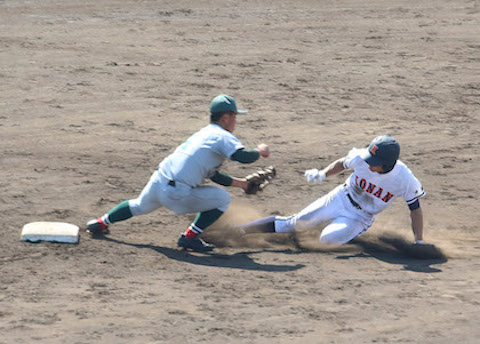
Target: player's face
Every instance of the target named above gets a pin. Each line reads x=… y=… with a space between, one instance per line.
x=377 y=168
x=230 y=121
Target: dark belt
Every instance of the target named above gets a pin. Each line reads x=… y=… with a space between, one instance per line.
x=355 y=204
x=170 y=181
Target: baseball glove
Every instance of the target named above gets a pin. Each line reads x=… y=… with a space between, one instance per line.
x=259 y=180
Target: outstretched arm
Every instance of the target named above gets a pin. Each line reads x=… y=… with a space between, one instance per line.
x=247 y=156
x=224 y=179
x=316 y=176
x=240 y=183
x=334 y=168
x=417 y=224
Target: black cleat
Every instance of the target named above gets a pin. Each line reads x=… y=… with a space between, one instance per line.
x=195 y=244
x=97 y=227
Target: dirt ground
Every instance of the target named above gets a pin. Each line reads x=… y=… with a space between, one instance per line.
x=94 y=94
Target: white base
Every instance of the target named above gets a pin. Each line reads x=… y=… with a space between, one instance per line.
x=50 y=231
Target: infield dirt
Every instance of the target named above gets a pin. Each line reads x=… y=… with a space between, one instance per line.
x=94 y=94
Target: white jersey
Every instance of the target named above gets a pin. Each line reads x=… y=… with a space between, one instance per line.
x=200 y=155
x=375 y=191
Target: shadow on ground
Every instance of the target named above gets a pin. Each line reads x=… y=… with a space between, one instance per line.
x=394 y=249
x=240 y=260
x=388 y=247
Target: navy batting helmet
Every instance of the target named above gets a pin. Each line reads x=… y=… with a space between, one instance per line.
x=383 y=150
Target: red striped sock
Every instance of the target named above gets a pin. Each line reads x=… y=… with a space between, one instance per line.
x=190 y=234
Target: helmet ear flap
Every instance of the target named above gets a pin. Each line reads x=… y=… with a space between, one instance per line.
x=388 y=168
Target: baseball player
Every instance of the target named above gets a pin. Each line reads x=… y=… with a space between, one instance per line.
x=177 y=183
x=378 y=178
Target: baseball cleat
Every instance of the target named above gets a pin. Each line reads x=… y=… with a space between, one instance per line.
x=97 y=227
x=195 y=244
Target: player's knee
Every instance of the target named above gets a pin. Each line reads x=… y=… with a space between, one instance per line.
x=224 y=200
x=140 y=208
x=330 y=239
x=135 y=208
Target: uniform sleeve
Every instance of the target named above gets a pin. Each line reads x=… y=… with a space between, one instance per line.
x=352 y=159
x=222 y=178
x=413 y=189
x=229 y=144
x=245 y=156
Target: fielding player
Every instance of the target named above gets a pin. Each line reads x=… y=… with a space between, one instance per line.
x=177 y=183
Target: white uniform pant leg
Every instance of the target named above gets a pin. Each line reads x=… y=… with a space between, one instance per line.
x=320 y=211
x=148 y=199
x=342 y=230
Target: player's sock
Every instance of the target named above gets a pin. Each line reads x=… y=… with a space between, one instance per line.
x=119 y=213
x=265 y=225
x=105 y=220
x=192 y=232
x=202 y=221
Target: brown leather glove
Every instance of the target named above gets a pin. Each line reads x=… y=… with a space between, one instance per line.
x=259 y=180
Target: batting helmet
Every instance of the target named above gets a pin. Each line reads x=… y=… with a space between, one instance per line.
x=383 y=150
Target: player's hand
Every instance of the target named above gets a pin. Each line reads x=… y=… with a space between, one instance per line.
x=315 y=176
x=263 y=150
x=422 y=250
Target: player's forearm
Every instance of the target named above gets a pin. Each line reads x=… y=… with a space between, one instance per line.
x=334 y=168
x=246 y=156
x=222 y=178
x=417 y=223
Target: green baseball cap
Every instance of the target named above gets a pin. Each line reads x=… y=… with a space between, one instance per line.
x=224 y=103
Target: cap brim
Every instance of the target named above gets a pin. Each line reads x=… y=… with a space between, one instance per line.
x=370 y=159
x=241 y=111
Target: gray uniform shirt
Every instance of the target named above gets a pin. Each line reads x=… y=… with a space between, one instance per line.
x=200 y=155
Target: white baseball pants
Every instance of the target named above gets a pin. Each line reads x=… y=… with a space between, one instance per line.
x=345 y=221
